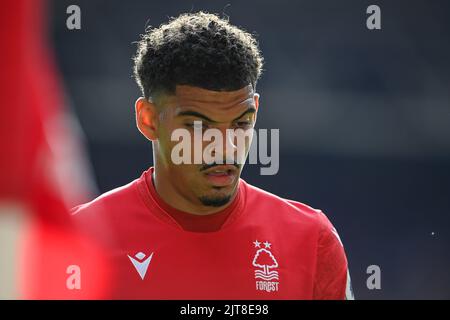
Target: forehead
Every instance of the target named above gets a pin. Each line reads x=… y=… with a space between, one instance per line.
x=219 y=103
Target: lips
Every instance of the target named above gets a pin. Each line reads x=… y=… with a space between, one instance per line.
x=221 y=176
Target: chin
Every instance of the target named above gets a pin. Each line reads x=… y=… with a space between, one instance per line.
x=215 y=200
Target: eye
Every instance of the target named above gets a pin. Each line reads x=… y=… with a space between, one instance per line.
x=196 y=124
x=244 y=124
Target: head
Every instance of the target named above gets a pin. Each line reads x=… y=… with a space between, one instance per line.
x=197 y=67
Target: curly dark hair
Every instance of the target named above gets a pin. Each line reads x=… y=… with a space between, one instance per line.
x=198 y=49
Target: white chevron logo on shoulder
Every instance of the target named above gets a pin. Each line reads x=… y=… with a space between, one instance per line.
x=141 y=263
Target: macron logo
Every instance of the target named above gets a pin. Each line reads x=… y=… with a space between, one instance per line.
x=141 y=263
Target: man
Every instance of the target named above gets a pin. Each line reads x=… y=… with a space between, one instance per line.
x=196 y=230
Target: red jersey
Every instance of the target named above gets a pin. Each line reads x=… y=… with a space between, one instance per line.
x=267 y=248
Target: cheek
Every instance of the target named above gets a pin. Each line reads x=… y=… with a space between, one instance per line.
x=164 y=138
x=165 y=144
x=244 y=145
x=181 y=171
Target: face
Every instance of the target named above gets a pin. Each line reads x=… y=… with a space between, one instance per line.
x=203 y=184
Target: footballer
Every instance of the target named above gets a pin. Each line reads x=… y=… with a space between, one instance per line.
x=197 y=230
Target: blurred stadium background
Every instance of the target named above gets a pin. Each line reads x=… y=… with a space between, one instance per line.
x=364 y=118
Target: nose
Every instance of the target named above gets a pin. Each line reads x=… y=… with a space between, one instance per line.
x=231 y=147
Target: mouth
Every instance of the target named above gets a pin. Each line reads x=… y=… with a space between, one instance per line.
x=221 y=175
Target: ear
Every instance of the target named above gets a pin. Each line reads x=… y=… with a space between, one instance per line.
x=256 y=99
x=146 y=118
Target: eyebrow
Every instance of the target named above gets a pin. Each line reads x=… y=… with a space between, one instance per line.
x=202 y=116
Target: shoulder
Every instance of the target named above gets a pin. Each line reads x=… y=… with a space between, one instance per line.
x=113 y=199
x=307 y=224
x=102 y=217
x=286 y=209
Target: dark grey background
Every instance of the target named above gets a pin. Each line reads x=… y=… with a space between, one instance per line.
x=364 y=118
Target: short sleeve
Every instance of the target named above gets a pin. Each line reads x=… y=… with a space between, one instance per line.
x=332 y=278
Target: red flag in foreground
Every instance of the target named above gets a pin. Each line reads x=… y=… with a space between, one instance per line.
x=42 y=255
